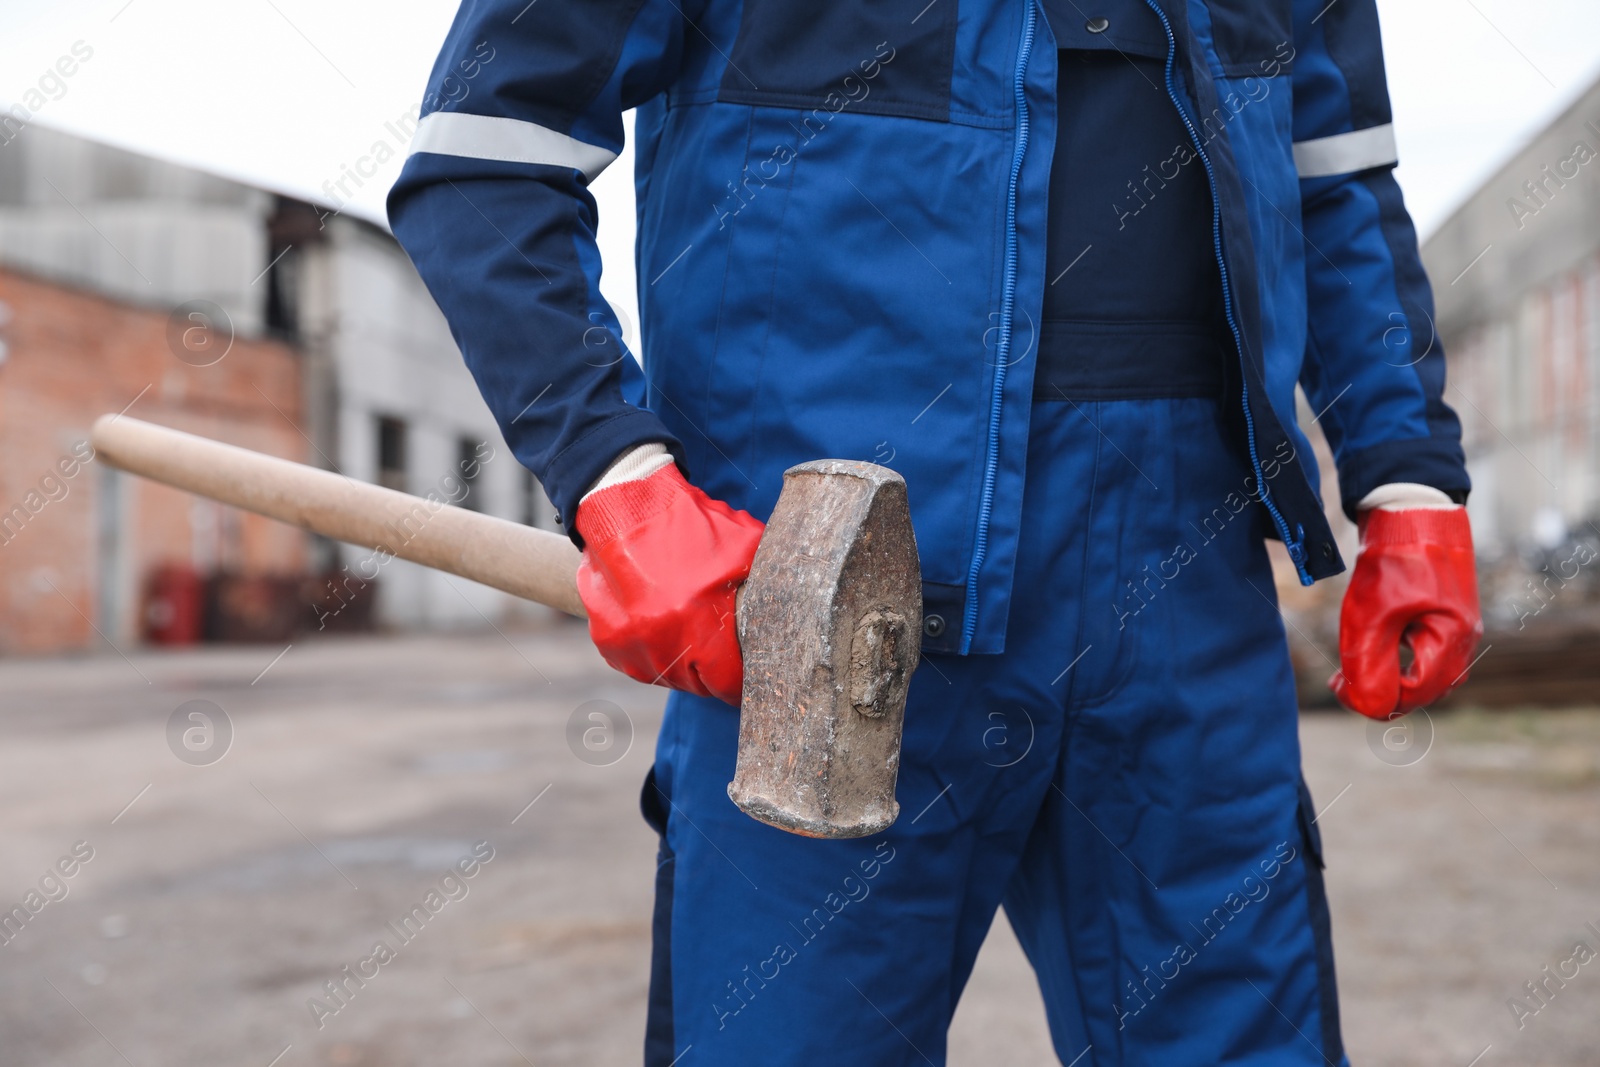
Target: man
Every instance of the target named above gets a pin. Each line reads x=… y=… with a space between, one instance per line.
x=1062 y=268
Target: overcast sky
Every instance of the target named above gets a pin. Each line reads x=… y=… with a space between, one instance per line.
x=288 y=93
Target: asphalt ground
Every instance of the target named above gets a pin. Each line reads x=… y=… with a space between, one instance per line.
x=210 y=898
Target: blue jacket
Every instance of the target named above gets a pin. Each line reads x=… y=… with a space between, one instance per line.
x=842 y=229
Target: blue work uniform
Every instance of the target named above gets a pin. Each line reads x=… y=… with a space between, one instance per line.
x=1074 y=778
x=1063 y=269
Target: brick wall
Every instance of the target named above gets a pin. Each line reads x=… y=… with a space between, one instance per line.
x=77 y=540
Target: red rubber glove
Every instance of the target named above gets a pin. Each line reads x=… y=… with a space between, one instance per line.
x=1414 y=584
x=661 y=564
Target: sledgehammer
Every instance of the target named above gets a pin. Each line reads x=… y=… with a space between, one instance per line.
x=829 y=621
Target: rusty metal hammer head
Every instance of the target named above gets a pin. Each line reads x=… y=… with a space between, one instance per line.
x=830 y=622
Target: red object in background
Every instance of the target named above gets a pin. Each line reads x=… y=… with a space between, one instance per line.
x=253 y=608
x=182 y=607
x=341 y=602
x=174 y=605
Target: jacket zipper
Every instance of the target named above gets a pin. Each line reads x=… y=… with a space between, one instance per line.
x=1295 y=542
x=1008 y=298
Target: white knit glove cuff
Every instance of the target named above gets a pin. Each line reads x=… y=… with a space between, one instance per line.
x=634 y=464
x=1399 y=496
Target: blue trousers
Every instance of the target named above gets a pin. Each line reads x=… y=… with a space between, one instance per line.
x=1125 y=779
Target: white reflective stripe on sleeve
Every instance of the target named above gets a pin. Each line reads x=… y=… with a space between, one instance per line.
x=453 y=133
x=1346 y=153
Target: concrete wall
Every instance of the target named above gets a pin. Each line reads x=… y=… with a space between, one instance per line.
x=126 y=226
x=1531 y=420
x=1516 y=273
x=393 y=356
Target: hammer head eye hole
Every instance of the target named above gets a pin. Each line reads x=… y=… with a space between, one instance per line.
x=878 y=660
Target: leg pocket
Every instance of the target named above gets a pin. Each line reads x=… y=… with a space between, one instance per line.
x=1321 y=929
x=653 y=805
x=659 y=1039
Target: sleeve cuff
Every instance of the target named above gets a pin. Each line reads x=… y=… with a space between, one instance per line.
x=583 y=462
x=1433 y=462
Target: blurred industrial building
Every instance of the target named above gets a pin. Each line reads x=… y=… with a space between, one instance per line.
x=132 y=284
x=1516 y=273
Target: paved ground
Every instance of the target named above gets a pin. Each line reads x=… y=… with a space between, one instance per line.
x=220 y=896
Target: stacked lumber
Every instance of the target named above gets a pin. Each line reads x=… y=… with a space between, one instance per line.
x=1556 y=664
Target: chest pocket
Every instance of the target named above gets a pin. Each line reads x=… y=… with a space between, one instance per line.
x=1253 y=37
x=1125 y=26
x=876 y=57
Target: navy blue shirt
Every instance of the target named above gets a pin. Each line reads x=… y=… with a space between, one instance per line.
x=1133 y=297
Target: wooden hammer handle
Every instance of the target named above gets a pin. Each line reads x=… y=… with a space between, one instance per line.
x=529 y=563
